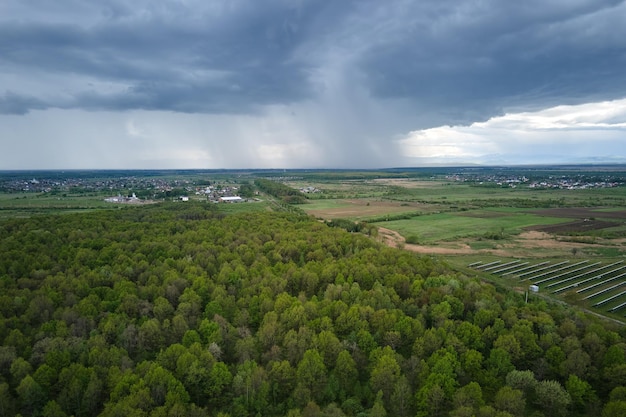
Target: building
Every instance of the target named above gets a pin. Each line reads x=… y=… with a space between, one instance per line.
x=235 y=199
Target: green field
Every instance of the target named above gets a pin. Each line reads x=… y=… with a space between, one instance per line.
x=445 y=192
x=25 y=204
x=435 y=228
x=325 y=205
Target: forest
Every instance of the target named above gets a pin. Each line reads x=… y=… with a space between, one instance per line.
x=180 y=310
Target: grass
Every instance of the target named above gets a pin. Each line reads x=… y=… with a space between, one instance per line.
x=51 y=201
x=251 y=207
x=325 y=204
x=451 y=226
x=612 y=252
x=14 y=205
x=482 y=244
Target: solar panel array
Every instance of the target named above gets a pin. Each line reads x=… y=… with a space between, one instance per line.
x=601 y=284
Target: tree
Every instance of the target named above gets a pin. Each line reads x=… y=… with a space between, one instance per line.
x=268 y=334
x=346 y=374
x=469 y=396
x=251 y=387
x=53 y=409
x=500 y=361
x=471 y=365
x=614 y=409
x=510 y=400
x=552 y=397
x=19 y=369
x=92 y=397
x=378 y=410
x=385 y=374
x=31 y=395
x=7 y=403
x=73 y=381
x=470 y=335
x=311 y=374
x=401 y=398
x=555 y=357
x=195 y=377
x=164 y=387
x=329 y=347
x=430 y=400
x=220 y=379
x=521 y=380
x=282 y=379
x=580 y=392
x=614 y=355
x=510 y=344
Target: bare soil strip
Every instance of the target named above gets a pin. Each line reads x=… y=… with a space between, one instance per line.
x=580 y=213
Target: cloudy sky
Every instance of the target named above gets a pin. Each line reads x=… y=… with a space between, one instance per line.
x=310 y=83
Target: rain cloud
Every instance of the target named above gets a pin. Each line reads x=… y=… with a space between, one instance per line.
x=308 y=83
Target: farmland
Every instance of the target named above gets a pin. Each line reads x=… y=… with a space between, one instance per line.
x=529 y=217
x=439 y=213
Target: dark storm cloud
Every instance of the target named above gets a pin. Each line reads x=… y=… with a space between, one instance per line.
x=12 y=103
x=473 y=59
x=462 y=60
x=173 y=58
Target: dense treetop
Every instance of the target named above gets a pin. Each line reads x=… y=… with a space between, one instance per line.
x=176 y=310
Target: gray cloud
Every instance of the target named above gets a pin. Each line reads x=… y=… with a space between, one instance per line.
x=347 y=77
x=485 y=59
x=13 y=103
x=234 y=56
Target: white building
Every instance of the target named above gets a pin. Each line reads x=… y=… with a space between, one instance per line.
x=235 y=199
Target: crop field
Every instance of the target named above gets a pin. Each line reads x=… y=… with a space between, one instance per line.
x=25 y=205
x=358 y=209
x=598 y=285
x=438 y=212
x=495 y=224
x=445 y=192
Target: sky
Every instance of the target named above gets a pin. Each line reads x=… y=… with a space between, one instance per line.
x=211 y=84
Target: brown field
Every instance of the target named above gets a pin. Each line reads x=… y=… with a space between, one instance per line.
x=588 y=220
x=406 y=183
x=581 y=213
x=575 y=227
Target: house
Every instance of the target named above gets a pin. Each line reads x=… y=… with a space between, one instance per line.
x=235 y=199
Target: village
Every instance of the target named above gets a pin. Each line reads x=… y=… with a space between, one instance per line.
x=575 y=181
